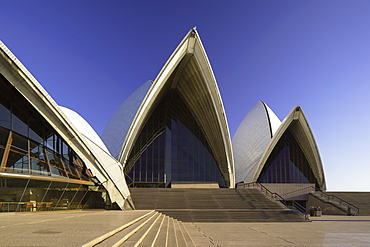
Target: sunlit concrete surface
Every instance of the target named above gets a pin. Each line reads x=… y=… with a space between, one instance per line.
x=60 y=228
x=79 y=227
x=322 y=231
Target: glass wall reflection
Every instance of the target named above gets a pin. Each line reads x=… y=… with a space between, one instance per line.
x=29 y=195
x=171 y=147
x=287 y=164
x=39 y=170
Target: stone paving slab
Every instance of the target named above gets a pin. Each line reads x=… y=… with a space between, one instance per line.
x=322 y=231
x=62 y=228
x=75 y=228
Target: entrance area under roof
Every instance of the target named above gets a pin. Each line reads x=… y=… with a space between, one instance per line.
x=171 y=147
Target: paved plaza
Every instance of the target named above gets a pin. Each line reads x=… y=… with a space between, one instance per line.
x=322 y=231
x=75 y=228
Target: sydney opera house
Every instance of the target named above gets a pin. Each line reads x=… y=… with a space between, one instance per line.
x=171 y=132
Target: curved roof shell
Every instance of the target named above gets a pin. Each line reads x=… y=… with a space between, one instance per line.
x=115 y=131
x=14 y=71
x=84 y=127
x=251 y=140
x=189 y=72
x=297 y=123
x=116 y=184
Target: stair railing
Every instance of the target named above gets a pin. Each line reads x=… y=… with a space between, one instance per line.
x=276 y=197
x=350 y=208
x=300 y=209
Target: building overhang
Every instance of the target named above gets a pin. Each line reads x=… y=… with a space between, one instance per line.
x=189 y=72
x=298 y=125
x=15 y=72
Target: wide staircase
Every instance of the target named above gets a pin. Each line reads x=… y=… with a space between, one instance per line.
x=213 y=205
x=359 y=199
x=152 y=229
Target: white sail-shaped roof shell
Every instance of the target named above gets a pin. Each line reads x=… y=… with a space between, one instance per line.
x=115 y=131
x=189 y=71
x=89 y=146
x=116 y=184
x=297 y=123
x=251 y=140
x=84 y=127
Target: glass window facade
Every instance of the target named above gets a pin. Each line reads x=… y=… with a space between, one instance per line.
x=30 y=146
x=171 y=147
x=287 y=163
x=20 y=195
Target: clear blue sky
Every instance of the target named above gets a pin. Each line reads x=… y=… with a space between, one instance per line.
x=90 y=55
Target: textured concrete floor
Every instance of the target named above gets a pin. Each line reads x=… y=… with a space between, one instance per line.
x=322 y=231
x=79 y=227
x=68 y=228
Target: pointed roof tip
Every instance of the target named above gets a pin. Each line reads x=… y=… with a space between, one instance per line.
x=193 y=31
x=265 y=105
x=262 y=102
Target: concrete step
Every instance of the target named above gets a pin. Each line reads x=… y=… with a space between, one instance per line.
x=140 y=234
x=161 y=239
x=180 y=239
x=218 y=205
x=152 y=229
x=123 y=232
x=233 y=216
x=171 y=234
x=188 y=240
x=152 y=236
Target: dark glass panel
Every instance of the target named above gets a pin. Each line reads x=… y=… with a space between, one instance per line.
x=17 y=162
x=39 y=167
x=172 y=145
x=19 y=143
x=2 y=151
x=38 y=164
x=4 y=135
x=71 y=169
x=136 y=176
x=51 y=142
x=64 y=150
x=37 y=151
x=47 y=196
x=18 y=156
x=80 y=168
x=287 y=163
x=143 y=170
x=19 y=126
x=67 y=166
x=129 y=177
x=5 y=102
x=56 y=165
x=36 y=130
x=30 y=128
x=40 y=193
x=11 y=191
x=149 y=164
x=5 y=114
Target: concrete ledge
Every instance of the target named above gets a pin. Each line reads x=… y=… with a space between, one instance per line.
x=194 y=184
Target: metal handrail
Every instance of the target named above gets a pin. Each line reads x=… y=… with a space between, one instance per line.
x=339 y=202
x=274 y=195
x=300 y=208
